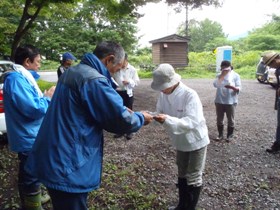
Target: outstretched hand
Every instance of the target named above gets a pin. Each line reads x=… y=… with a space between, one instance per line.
x=148 y=118
x=49 y=93
x=160 y=118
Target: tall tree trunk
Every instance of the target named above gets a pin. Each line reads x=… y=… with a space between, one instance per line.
x=25 y=24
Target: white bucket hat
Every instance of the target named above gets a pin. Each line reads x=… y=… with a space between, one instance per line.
x=164 y=76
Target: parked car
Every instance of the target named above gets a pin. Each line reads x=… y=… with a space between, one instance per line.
x=4 y=66
x=262 y=72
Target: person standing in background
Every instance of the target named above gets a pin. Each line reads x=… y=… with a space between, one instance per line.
x=228 y=85
x=127 y=79
x=66 y=62
x=272 y=59
x=180 y=111
x=25 y=107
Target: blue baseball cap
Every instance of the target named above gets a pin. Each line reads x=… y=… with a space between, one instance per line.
x=68 y=56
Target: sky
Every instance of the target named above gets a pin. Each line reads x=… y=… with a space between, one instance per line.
x=237 y=17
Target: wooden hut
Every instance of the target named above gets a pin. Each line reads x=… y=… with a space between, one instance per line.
x=172 y=49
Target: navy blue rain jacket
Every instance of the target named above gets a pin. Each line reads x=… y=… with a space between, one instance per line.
x=68 y=151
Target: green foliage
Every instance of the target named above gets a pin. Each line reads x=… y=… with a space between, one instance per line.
x=68 y=25
x=247 y=72
x=218 y=41
x=49 y=65
x=194 y=3
x=249 y=58
x=202 y=59
x=145 y=74
x=141 y=61
x=44 y=85
x=203 y=33
x=262 y=41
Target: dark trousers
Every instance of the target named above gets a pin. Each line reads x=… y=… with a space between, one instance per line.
x=127 y=101
x=70 y=201
x=221 y=109
x=26 y=181
x=277 y=141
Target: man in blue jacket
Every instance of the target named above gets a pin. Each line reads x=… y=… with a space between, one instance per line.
x=68 y=152
x=25 y=107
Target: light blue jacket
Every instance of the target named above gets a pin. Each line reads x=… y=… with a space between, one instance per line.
x=24 y=111
x=68 y=151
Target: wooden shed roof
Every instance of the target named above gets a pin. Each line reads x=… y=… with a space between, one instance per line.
x=171 y=38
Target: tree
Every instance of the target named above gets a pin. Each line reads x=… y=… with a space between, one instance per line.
x=262 y=42
x=30 y=12
x=264 y=38
x=193 y=4
x=203 y=32
x=78 y=28
x=19 y=16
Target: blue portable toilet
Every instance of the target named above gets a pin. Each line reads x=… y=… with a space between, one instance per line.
x=223 y=53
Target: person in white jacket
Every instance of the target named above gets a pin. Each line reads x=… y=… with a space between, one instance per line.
x=126 y=80
x=228 y=86
x=180 y=111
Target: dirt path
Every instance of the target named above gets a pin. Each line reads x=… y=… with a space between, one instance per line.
x=238 y=175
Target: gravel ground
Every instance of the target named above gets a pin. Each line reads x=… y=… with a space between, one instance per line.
x=238 y=175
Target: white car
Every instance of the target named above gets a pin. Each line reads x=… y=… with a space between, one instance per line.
x=4 y=66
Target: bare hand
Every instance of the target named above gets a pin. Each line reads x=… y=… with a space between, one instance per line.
x=232 y=87
x=229 y=86
x=49 y=93
x=148 y=118
x=125 y=82
x=160 y=118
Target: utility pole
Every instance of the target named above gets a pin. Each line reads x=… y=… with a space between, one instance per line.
x=187 y=20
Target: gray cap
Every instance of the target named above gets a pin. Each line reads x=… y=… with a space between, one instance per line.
x=164 y=76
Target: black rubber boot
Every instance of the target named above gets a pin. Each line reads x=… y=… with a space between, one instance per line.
x=183 y=194
x=20 y=192
x=274 y=148
x=221 y=132
x=194 y=196
x=230 y=133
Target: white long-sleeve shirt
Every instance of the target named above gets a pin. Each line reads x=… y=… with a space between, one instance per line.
x=185 y=121
x=129 y=74
x=226 y=95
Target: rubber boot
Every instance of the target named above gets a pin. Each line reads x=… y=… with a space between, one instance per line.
x=194 y=196
x=221 y=132
x=20 y=192
x=230 y=133
x=32 y=201
x=183 y=194
x=44 y=195
x=274 y=148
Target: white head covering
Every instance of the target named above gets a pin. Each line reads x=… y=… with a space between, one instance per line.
x=29 y=77
x=164 y=76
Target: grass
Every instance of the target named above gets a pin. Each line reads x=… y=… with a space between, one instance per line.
x=246 y=72
x=44 y=85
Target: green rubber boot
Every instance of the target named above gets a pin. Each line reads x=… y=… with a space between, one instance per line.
x=44 y=195
x=32 y=201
